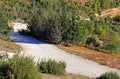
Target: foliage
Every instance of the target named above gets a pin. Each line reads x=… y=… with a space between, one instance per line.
x=99 y=31
x=60 y=22
x=92 y=42
x=62 y=26
x=110 y=47
x=116 y=24
x=19 y=67
x=99 y=5
x=45 y=28
x=52 y=67
x=109 y=76
x=116 y=18
x=113 y=46
x=5 y=30
x=20 y=8
x=57 y=21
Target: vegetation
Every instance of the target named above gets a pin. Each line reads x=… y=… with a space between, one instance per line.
x=109 y=76
x=20 y=8
x=99 y=5
x=64 y=21
x=61 y=23
x=63 y=26
x=52 y=67
x=5 y=30
x=58 y=21
x=21 y=67
x=18 y=67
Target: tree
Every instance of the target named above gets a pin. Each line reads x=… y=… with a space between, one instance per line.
x=53 y=31
x=110 y=47
x=66 y=24
x=5 y=30
x=96 y=6
x=92 y=41
x=105 y=4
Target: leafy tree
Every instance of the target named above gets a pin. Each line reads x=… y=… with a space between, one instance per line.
x=53 y=31
x=96 y=6
x=5 y=30
x=92 y=41
x=62 y=26
x=19 y=67
x=100 y=32
x=83 y=31
x=110 y=47
x=105 y=4
x=71 y=32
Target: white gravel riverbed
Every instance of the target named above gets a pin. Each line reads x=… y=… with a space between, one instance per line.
x=40 y=50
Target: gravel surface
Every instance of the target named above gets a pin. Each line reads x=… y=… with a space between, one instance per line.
x=40 y=50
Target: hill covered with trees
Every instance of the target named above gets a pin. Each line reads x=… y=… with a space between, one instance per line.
x=66 y=21
x=60 y=21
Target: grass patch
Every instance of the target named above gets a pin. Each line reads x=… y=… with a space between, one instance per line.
x=52 y=67
x=19 y=67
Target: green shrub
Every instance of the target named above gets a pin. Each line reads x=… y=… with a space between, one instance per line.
x=109 y=76
x=5 y=30
x=92 y=42
x=4 y=69
x=19 y=67
x=52 y=67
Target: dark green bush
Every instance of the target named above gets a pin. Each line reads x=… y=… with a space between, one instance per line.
x=109 y=76
x=19 y=67
x=92 y=42
x=56 y=25
x=52 y=67
x=5 y=30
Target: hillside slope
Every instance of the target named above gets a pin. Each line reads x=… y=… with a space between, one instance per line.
x=41 y=50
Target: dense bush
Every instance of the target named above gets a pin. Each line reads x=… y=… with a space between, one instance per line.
x=113 y=46
x=99 y=5
x=52 y=67
x=92 y=42
x=17 y=8
x=5 y=30
x=62 y=23
x=110 y=47
x=47 y=29
x=59 y=23
x=19 y=67
x=109 y=76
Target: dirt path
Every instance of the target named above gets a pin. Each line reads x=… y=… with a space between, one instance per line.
x=110 y=12
x=40 y=50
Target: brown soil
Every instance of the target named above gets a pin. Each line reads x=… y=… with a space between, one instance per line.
x=111 y=60
x=68 y=76
x=9 y=46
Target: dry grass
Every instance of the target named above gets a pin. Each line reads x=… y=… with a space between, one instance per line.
x=111 y=60
x=110 y=12
x=9 y=46
x=68 y=76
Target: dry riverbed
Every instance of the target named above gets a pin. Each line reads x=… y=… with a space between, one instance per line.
x=41 y=50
